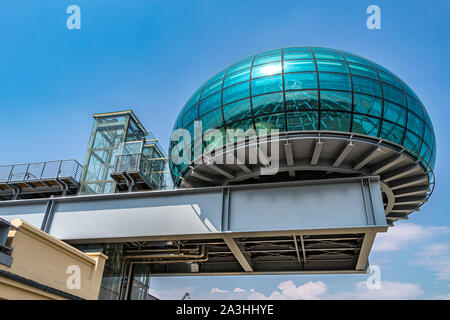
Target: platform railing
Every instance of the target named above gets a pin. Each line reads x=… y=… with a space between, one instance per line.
x=41 y=171
x=138 y=163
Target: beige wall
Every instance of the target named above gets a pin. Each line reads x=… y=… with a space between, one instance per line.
x=44 y=259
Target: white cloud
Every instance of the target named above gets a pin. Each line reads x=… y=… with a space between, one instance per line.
x=312 y=290
x=444 y=297
x=436 y=257
x=173 y=293
x=389 y=290
x=217 y=290
x=404 y=234
x=289 y=291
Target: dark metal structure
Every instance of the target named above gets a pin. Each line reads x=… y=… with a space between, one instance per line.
x=5 y=251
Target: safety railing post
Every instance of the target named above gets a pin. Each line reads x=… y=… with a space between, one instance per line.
x=76 y=170
x=10 y=173
x=26 y=172
x=59 y=168
x=42 y=171
x=138 y=162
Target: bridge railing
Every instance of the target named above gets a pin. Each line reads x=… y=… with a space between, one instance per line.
x=41 y=170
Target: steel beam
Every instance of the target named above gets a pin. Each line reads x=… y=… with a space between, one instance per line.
x=238 y=254
x=366 y=159
x=203 y=176
x=386 y=164
x=344 y=153
x=366 y=246
x=400 y=172
x=289 y=154
x=289 y=158
x=316 y=154
x=297 y=252
x=406 y=182
x=226 y=173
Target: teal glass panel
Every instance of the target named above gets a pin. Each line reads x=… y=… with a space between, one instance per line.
x=218 y=76
x=335 y=121
x=386 y=77
x=236 y=92
x=381 y=68
x=394 y=113
x=212 y=120
x=392 y=132
x=211 y=143
x=297 y=55
x=301 y=100
x=364 y=85
x=297 y=81
x=269 y=52
x=267 y=85
x=301 y=121
x=237 y=110
x=364 y=71
x=332 y=66
x=210 y=103
x=428 y=137
x=237 y=77
x=428 y=119
x=194 y=99
x=367 y=105
x=292 y=49
x=412 y=141
x=178 y=122
x=299 y=66
x=366 y=125
x=267 y=59
x=320 y=49
x=336 y=100
x=393 y=94
x=190 y=115
x=270 y=122
x=244 y=125
x=409 y=91
x=266 y=70
x=190 y=129
x=241 y=65
x=432 y=160
x=425 y=152
x=356 y=59
x=328 y=56
x=268 y=103
x=414 y=106
x=334 y=81
x=415 y=124
x=212 y=88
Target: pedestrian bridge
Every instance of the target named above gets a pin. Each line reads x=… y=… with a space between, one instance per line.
x=318 y=226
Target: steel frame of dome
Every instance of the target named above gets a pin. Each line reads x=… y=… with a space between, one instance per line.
x=407 y=178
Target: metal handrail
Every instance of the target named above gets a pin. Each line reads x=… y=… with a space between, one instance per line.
x=138 y=162
x=41 y=170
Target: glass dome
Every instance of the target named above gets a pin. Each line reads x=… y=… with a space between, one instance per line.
x=310 y=88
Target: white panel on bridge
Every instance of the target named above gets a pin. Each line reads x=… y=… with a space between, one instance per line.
x=30 y=212
x=138 y=217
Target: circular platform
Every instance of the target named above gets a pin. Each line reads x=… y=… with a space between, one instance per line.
x=406 y=180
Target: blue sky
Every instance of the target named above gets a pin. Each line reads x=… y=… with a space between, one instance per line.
x=152 y=55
